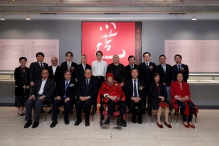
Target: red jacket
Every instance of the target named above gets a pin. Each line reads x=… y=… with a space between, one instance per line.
x=175 y=90
x=111 y=90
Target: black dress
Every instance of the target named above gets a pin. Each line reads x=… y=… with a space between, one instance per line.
x=154 y=93
x=21 y=76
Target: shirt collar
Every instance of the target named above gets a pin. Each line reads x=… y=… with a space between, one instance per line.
x=54 y=66
x=45 y=79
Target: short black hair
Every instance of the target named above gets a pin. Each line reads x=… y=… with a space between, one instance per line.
x=21 y=58
x=134 y=69
x=69 y=52
x=131 y=56
x=162 y=56
x=67 y=72
x=84 y=55
x=178 y=55
x=147 y=53
x=45 y=69
x=99 y=52
x=156 y=74
x=179 y=73
x=39 y=53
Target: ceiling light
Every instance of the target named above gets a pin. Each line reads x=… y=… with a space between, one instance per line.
x=2 y=17
x=194 y=17
x=28 y=17
x=13 y=0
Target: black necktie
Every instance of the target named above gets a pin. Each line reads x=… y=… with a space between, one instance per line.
x=135 y=89
x=147 y=65
x=41 y=65
x=87 y=83
x=179 y=67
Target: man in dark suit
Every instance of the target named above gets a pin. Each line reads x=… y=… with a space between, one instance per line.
x=40 y=95
x=136 y=94
x=69 y=65
x=179 y=67
x=165 y=73
x=87 y=91
x=147 y=70
x=65 y=95
x=55 y=74
x=82 y=67
x=129 y=67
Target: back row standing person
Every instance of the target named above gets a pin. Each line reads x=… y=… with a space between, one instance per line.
x=129 y=67
x=147 y=70
x=82 y=67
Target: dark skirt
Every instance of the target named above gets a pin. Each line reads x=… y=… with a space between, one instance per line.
x=20 y=100
x=156 y=103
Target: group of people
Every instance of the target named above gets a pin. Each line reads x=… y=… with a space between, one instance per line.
x=161 y=86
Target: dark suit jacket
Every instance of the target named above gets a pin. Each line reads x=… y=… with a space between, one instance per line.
x=70 y=92
x=185 y=72
x=73 y=69
x=147 y=75
x=129 y=89
x=165 y=77
x=92 y=90
x=57 y=76
x=80 y=71
x=128 y=71
x=35 y=71
x=48 y=88
x=19 y=91
x=120 y=74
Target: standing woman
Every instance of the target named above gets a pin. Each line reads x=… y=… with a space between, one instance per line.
x=158 y=98
x=22 y=85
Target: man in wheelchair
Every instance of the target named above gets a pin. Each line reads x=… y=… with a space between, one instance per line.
x=113 y=97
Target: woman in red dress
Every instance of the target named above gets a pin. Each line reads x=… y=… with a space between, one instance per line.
x=180 y=93
x=113 y=95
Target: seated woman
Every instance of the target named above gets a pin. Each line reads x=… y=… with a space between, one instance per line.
x=158 y=100
x=113 y=95
x=180 y=93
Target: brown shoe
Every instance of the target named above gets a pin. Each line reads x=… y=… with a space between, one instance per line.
x=168 y=125
x=160 y=125
x=187 y=126
x=192 y=126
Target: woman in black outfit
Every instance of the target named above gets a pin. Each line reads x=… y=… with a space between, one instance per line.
x=22 y=85
x=158 y=98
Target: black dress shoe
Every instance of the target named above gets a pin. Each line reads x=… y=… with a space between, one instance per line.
x=28 y=123
x=42 y=111
x=124 y=124
x=87 y=123
x=133 y=119
x=67 y=122
x=140 y=120
x=107 y=120
x=119 y=122
x=78 y=121
x=35 y=124
x=53 y=124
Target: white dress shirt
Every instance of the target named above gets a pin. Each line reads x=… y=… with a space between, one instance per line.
x=99 y=68
x=42 y=87
x=41 y=63
x=83 y=65
x=133 y=82
x=54 y=69
x=147 y=63
x=69 y=65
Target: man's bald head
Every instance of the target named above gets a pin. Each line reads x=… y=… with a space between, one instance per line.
x=54 y=61
x=115 y=58
x=88 y=73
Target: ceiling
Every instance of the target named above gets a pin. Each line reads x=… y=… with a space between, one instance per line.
x=66 y=8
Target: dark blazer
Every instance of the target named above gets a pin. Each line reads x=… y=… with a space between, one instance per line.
x=128 y=71
x=129 y=89
x=57 y=76
x=92 y=90
x=119 y=75
x=73 y=69
x=165 y=77
x=70 y=92
x=80 y=71
x=154 y=94
x=48 y=88
x=147 y=75
x=185 y=72
x=19 y=91
x=35 y=71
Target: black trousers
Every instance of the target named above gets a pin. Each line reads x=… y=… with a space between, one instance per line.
x=141 y=106
x=55 y=108
x=111 y=106
x=183 y=107
x=87 y=107
x=38 y=105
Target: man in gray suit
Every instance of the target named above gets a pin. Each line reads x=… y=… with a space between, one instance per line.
x=40 y=95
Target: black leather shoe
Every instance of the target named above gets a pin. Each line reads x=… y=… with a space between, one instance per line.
x=78 y=121
x=119 y=122
x=133 y=119
x=28 y=123
x=53 y=124
x=107 y=120
x=35 y=124
x=42 y=111
x=87 y=123
x=67 y=122
x=124 y=124
x=140 y=120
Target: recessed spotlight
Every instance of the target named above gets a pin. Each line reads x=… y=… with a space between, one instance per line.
x=2 y=17
x=13 y=0
x=28 y=17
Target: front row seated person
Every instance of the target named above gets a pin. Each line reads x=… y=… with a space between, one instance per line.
x=135 y=93
x=65 y=95
x=158 y=100
x=87 y=90
x=40 y=95
x=180 y=93
x=113 y=95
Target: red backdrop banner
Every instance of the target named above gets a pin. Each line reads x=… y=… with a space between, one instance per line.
x=122 y=38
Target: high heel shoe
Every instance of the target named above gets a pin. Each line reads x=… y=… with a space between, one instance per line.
x=168 y=125
x=160 y=125
x=20 y=114
x=187 y=126
x=192 y=126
